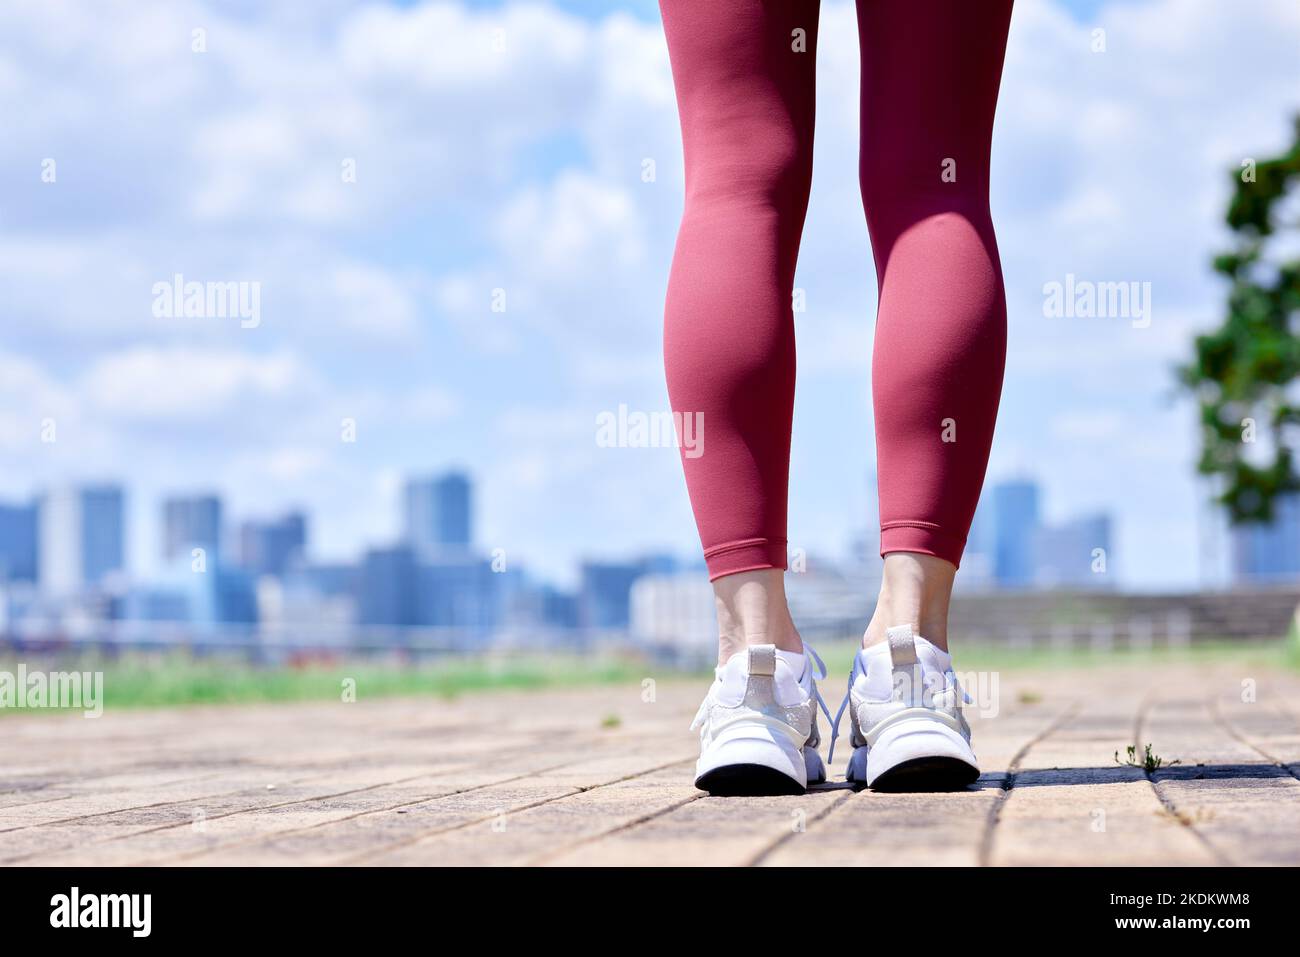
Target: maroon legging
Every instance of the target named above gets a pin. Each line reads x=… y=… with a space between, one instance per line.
x=744 y=72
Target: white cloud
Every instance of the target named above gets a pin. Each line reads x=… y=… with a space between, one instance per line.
x=29 y=397
x=374 y=301
x=578 y=226
x=150 y=384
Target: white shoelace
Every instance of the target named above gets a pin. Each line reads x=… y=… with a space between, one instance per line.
x=820 y=675
x=848 y=696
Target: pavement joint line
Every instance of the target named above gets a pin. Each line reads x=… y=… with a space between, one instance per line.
x=277 y=835
x=246 y=810
x=69 y=797
x=780 y=842
x=984 y=852
x=164 y=827
x=438 y=832
x=274 y=836
x=121 y=810
x=603 y=835
x=1217 y=713
x=326 y=797
x=98 y=773
x=627 y=826
x=1165 y=800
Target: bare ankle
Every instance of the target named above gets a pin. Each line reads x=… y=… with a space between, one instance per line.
x=752 y=610
x=915 y=591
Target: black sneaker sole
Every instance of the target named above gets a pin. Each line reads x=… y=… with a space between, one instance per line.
x=747 y=780
x=927 y=774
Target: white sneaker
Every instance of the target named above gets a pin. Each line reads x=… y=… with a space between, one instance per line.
x=758 y=725
x=908 y=730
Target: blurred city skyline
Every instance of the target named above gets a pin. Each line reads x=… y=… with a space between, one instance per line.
x=73 y=536
x=39 y=537
x=227 y=580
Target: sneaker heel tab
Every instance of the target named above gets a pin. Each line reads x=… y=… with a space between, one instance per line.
x=902 y=646
x=762 y=660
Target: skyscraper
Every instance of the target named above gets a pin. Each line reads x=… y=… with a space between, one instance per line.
x=80 y=537
x=388 y=587
x=1067 y=556
x=604 y=597
x=1015 y=521
x=462 y=593
x=101 y=518
x=436 y=513
x=18 y=525
x=191 y=522
x=1263 y=553
x=268 y=548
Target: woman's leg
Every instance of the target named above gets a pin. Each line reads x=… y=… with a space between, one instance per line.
x=930 y=75
x=744 y=72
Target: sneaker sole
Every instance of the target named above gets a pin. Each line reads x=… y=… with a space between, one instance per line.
x=917 y=755
x=747 y=780
x=752 y=758
x=927 y=774
x=813 y=766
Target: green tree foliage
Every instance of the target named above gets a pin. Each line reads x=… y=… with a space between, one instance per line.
x=1245 y=369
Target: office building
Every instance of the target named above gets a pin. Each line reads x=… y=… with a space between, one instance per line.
x=79 y=538
x=191 y=522
x=1268 y=552
x=18 y=536
x=1015 y=522
x=270 y=548
x=604 y=595
x=1074 y=554
x=387 y=590
x=436 y=513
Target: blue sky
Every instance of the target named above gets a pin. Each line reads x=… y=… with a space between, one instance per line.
x=516 y=165
x=649 y=9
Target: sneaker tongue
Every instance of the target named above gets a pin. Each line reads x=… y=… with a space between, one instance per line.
x=736 y=667
x=877 y=670
x=931 y=655
x=796 y=661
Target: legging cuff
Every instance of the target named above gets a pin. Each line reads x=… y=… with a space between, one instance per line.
x=924 y=537
x=746 y=555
